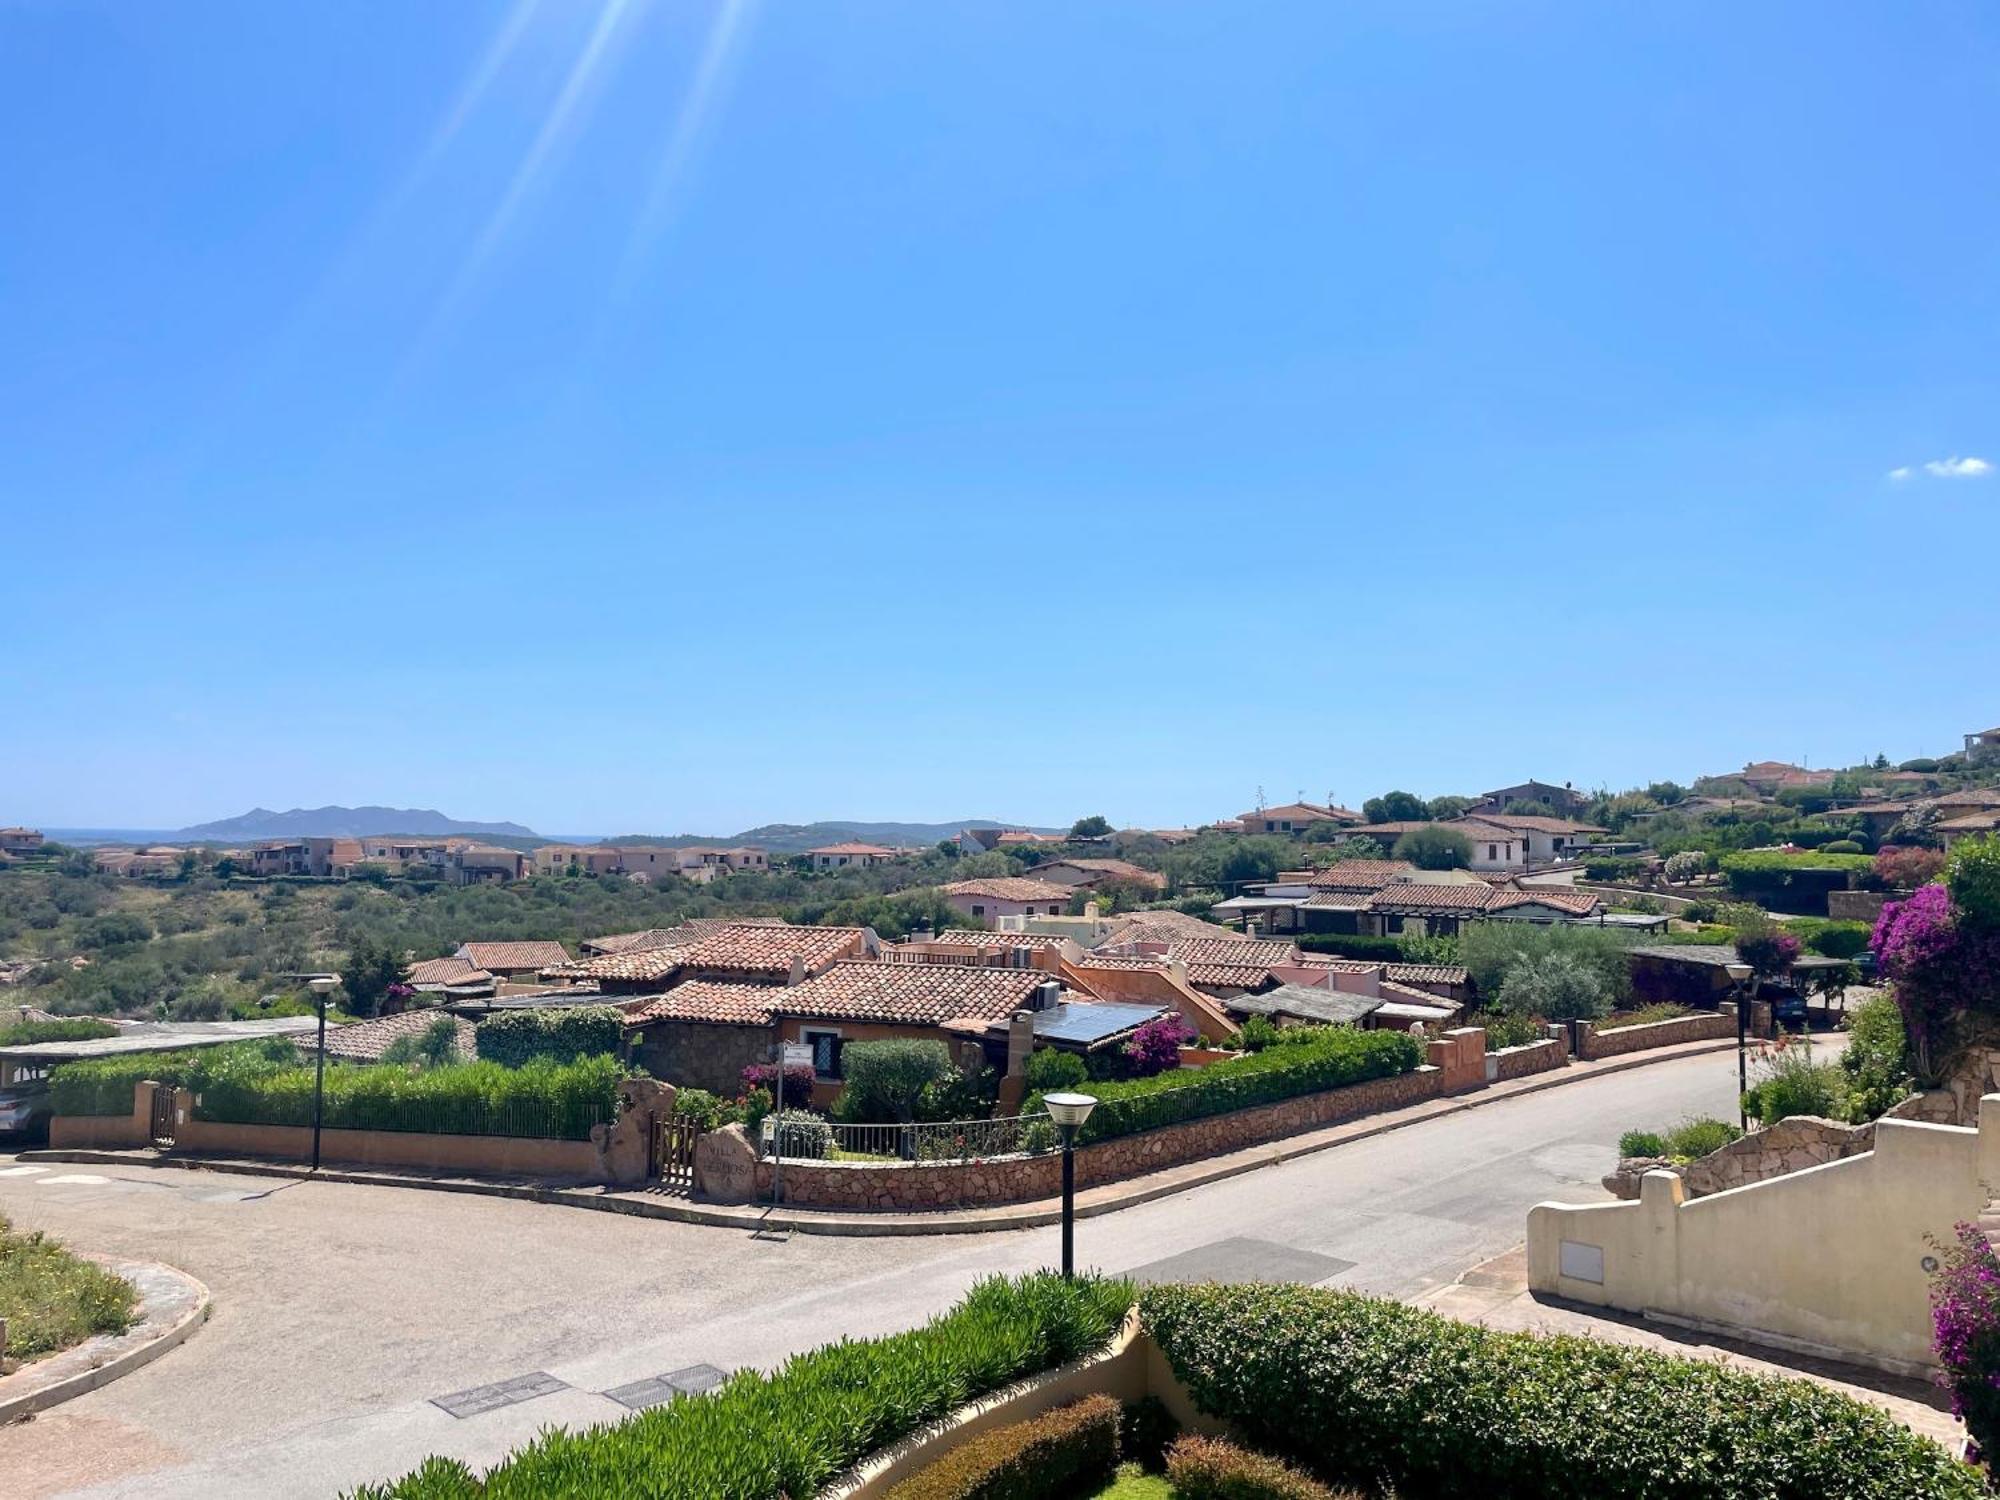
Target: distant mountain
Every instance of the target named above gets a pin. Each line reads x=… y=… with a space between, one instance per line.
x=792 y=837
x=340 y=822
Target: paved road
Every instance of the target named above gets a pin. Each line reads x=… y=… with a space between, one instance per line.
x=340 y=1310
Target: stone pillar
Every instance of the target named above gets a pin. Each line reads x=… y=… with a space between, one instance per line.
x=1020 y=1044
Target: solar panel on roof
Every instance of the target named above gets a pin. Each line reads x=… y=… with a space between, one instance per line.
x=1087 y=1023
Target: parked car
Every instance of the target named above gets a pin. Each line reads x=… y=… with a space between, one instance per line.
x=26 y=1103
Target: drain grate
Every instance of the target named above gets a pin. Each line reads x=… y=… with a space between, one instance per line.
x=658 y=1390
x=1242 y=1259
x=483 y=1398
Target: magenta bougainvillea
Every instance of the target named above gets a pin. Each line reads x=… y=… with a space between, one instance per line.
x=1769 y=954
x=798 y=1082
x=1156 y=1046
x=1940 y=968
x=1965 y=1319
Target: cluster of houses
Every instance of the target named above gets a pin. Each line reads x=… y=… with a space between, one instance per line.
x=1388 y=898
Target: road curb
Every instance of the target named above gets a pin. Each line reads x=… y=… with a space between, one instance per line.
x=1023 y=1216
x=104 y=1358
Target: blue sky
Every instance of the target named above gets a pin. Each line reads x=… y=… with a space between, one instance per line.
x=675 y=416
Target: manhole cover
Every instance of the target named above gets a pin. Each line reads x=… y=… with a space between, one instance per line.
x=503 y=1393
x=1242 y=1259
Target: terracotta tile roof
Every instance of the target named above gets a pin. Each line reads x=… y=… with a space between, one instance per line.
x=1578 y=902
x=1393 y=829
x=1163 y=926
x=1339 y=900
x=532 y=955
x=1008 y=888
x=913 y=994
x=631 y=942
x=1425 y=974
x=1241 y=976
x=759 y=949
x=1530 y=821
x=1359 y=874
x=853 y=848
x=708 y=1000
x=366 y=1041
x=1119 y=869
x=1336 y=965
x=1471 y=896
x=640 y=965
x=1406 y=995
x=453 y=970
x=1972 y=822
x=1240 y=951
x=1300 y=812
x=967 y=935
x=1122 y=961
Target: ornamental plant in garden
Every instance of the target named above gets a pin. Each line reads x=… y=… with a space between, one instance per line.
x=1941 y=968
x=1769 y=953
x=1965 y=1315
x=1156 y=1046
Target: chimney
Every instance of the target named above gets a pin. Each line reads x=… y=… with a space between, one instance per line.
x=1090 y=911
x=1047 y=995
x=798 y=974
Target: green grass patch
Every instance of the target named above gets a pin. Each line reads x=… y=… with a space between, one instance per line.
x=1134 y=1483
x=52 y=1299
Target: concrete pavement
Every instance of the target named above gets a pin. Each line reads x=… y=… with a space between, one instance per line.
x=341 y=1310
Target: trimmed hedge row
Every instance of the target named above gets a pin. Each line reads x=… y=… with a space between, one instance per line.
x=1072 y=1450
x=1353 y=945
x=103 y=1085
x=1331 y=1057
x=763 y=1437
x=560 y=1033
x=1368 y=1391
x=541 y=1100
x=63 y=1029
x=1209 y=1469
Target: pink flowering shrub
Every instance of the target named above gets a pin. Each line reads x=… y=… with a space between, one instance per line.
x=1156 y=1046
x=1965 y=1319
x=1769 y=954
x=798 y=1083
x=1940 y=969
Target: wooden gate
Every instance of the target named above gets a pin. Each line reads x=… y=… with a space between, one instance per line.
x=163 y=1114
x=673 y=1153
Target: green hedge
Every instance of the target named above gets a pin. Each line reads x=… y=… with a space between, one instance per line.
x=1070 y=1451
x=1351 y=945
x=542 y=1100
x=1204 y=1468
x=1329 y=1057
x=1372 y=1392
x=560 y=1034
x=103 y=1085
x=763 y=1437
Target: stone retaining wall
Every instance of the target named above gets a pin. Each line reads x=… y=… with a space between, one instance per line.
x=1535 y=1057
x=920 y=1186
x=1791 y=1145
x=1592 y=1044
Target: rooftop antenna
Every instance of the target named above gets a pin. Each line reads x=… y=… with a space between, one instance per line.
x=1260 y=799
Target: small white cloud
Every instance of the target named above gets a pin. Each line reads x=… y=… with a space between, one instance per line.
x=1899 y=475
x=1958 y=468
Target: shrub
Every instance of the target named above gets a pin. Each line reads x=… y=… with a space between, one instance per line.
x=1649 y=1015
x=1877 y=1058
x=1769 y=954
x=1793 y=1084
x=1688 y=865
x=959 y=1096
x=52 y=1299
x=885 y=1080
x=1307 y=1061
x=798 y=1082
x=1965 y=1318
x=539 y=1100
x=1972 y=875
x=1364 y=1390
x=1838 y=939
x=1557 y=986
x=1259 y=1032
x=1613 y=867
x=701 y=1109
x=1642 y=1143
x=1904 y=867
x=69 y=1029
x=1203 y=1468
x=1156 y=1046
x=561 y=1034
x=1508 y=1028
x=1700 y=1135
x=1940 y=967
x=1069 y=1451
x=1386 y=950
x=1487 y=949
x=1051 y=1071
x=790 y=1433
x=436 y=1046
x=1841 y=846
x=1146 y=1429
x=801 y=1134
x=1435 y=848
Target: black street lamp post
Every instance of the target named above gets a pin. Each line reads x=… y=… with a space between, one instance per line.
x=1068 y=1112
x=321 y=988
x=1741 y=976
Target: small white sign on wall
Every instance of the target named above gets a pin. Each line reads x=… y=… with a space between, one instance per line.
x=798 y=1055
x=1581 y=1262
